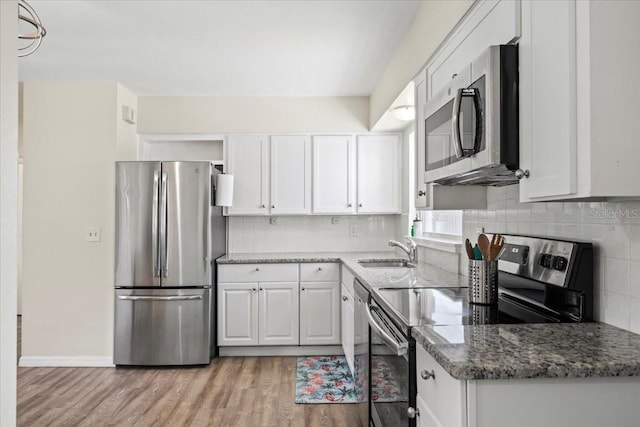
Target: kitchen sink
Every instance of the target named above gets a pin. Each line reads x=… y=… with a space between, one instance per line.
x=390 y=263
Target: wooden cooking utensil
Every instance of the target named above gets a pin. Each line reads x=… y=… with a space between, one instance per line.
x=469 y=249
x=496 y=245
x=483 y=243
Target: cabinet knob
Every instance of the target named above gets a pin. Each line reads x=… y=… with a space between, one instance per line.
x=350 y=205
x=412 y=412
x=319 y=268
x=344 y=298
x=263 y=206
x=273 y=206
x=302 y=289
x=257 y=268
x=454 y=75
x=522 y=173
x=427 y=375
x=421 y=193
x=360 y=205
x=262 y=289
x=254 y=289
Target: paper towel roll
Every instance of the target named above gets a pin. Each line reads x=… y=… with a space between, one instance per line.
x=224 y=190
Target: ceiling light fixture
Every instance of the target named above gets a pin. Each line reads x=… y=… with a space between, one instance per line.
x=404 y=112
x=28 y=15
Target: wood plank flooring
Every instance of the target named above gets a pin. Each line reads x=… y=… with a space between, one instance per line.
x=231 y=391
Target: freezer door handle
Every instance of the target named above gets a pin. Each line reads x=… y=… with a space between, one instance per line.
x=156 y=298
x=164 y=251
x=154 y=225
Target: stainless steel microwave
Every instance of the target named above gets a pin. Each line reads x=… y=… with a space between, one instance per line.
x=471 y=126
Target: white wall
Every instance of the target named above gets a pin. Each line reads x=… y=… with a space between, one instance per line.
x=435 y=19
x=310 y=234
x=8 y=208
x=162 y=114
x=72 y=137
x=613 y=228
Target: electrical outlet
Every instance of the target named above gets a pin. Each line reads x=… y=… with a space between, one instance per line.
x=335 y=220
x=92 y=234
x=479 y=230
x=353 y=230
x=273 y=220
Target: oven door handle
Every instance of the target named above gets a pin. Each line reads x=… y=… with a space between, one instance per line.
x=399 y=348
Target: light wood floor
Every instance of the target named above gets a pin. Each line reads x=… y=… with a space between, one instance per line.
x=232 y=391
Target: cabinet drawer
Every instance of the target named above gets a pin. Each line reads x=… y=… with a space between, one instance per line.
x=258 y=273
x=347 y=279
x=319 y=272
x=443 y=394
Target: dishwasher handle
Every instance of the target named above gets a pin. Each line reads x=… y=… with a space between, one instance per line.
x=399 y=347
x=157 y=298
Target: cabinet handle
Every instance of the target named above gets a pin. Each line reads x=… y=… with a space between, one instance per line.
x=454 y=75
x=427 y=375
x=344 y=298
x=412 y=412
x=522 y=173
x=421 y=193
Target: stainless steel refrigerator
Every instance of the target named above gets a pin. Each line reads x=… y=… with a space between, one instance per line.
x=168 y=235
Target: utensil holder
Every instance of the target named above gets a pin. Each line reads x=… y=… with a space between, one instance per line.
x=483 y=282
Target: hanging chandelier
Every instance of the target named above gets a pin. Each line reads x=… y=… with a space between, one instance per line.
x=33 y=38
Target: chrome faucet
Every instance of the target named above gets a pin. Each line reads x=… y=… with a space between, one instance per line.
x=411 y=250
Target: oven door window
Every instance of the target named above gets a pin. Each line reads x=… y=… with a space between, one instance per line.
x=439 y=141
x=389 y=384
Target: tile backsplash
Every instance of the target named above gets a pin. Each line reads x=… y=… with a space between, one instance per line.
x=311 y=233
x=613 y=228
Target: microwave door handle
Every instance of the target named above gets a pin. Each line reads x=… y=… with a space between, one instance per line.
x=455 y=124
x=399 y=348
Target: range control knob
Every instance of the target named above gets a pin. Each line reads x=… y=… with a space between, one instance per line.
x=560 y=263
x=545 y=260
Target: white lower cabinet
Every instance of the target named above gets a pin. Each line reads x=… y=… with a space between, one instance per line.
x=278 y=314
x=347 y=312
x=319 y=313
x=278 y=304
x=551 y=402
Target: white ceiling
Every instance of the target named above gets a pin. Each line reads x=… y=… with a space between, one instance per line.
x=224 y=48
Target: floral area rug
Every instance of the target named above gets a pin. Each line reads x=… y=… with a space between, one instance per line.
x=327 y=379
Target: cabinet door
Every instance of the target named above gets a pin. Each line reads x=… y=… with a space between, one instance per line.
x=248 y=162
x=420 y=195
x=290 y=175
x=278 y=312
x=319 y=313
x=548 y=99
x=346 y=308
x=334 y=166
x=378 y=169
x=426 y=418
x=237 y=314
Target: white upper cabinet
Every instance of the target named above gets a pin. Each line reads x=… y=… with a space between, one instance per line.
x=378 y=174
x=334 y=174
x=290 y=175
x=248 y=162
x=420 y=85
x=578 y=107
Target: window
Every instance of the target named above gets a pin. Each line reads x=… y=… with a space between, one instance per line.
x=441 y=223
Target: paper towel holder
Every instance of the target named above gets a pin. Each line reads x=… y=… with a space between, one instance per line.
x=224 y=190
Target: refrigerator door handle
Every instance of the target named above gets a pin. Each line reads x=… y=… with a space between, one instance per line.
x=156 y=298
x=154 y=225
x=164 y=251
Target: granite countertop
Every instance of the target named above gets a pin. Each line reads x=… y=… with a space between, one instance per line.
x=567 y=350
x=424 y=275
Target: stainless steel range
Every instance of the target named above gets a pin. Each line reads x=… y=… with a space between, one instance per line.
x=540 y=280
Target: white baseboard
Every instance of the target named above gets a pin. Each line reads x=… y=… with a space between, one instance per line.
x=66 y=361
x=311 y=350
